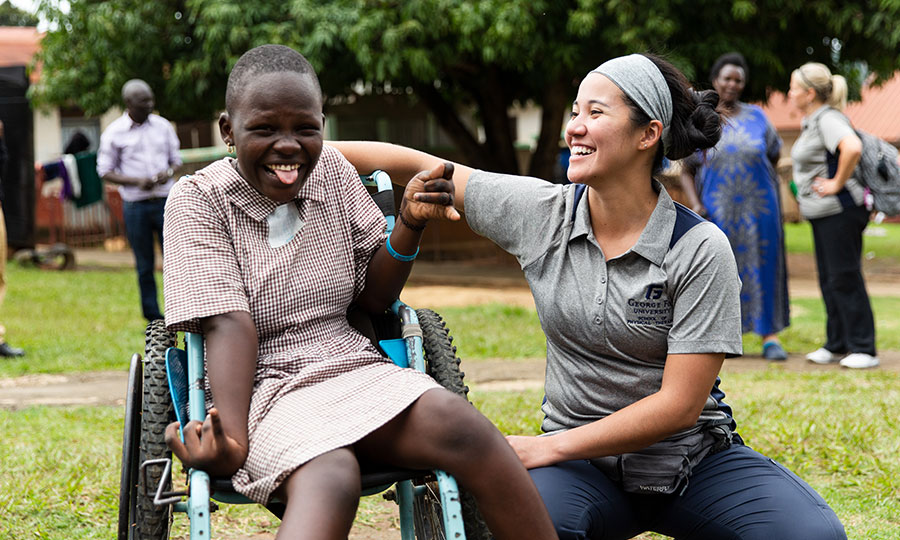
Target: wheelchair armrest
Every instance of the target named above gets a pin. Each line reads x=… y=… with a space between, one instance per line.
x=374 y=327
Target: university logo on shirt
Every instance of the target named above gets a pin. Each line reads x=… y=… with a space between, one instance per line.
x=651 y=308
x=654 y=292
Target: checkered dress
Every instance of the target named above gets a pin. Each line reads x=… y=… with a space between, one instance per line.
x=319 y=384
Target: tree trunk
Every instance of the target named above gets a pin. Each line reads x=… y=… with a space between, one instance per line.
x=553 y=105
x=459 y=133
x=493 y=107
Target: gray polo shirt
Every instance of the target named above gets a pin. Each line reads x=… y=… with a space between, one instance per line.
x=823 y=129
x=611 y=324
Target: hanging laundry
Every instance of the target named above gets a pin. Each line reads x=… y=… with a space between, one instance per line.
x=91 y=184
x=78 y=172
x=72 y=170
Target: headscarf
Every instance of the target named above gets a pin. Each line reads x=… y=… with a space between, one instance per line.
x=639 y=79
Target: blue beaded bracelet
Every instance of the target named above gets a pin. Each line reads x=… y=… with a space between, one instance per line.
x=399 y=257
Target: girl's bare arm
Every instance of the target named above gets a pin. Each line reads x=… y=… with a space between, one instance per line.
x=400 y=163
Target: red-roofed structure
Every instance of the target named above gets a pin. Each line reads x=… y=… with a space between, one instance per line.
x=877 y=113
x=18 y=45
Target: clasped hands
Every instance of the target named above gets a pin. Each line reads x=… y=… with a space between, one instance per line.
x=430 y=195
x=159 y=178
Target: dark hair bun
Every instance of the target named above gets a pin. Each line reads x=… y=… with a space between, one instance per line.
x=702 y=128
x=695 y=125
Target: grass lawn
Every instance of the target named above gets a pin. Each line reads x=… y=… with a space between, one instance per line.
x=90 y=321
x=71 y=321
x=881 y=241
x=59 y=466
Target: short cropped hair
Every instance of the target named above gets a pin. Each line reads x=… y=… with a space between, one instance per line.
x=133 y=85
x=729 y=59
x=266 y=59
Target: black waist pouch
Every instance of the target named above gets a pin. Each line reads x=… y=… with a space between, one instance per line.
x=664 y=468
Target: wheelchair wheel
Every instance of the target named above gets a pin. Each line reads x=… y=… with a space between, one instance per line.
x=130 y=441
x=443 y=366
x=428 y=520
x=151 y=521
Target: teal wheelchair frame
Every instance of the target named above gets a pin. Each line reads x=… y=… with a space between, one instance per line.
x=168 y=383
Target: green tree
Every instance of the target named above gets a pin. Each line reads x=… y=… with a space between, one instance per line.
x=10 y=15
x=97 y=45
x=457 y=57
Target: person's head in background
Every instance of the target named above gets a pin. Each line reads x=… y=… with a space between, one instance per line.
x=138 y=98
x=273 y=118
x=728 y=76
x=78 y=142
x=813 y=85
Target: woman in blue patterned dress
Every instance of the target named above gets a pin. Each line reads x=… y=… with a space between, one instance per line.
x=735 y=186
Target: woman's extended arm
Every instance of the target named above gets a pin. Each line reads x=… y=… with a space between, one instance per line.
x=849 y=152
x=220 y=444
x=400 y=163
x=687 y=381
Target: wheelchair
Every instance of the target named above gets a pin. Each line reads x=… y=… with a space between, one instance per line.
x=167 y=383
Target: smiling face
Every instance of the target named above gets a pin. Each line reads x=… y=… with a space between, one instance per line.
x=600 y=133
x=729 y=84
x=276 y=127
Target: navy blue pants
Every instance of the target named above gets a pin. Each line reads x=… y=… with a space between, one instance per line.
x=143 y=223
x=734 y=494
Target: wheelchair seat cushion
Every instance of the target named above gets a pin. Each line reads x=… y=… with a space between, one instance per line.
x=319 y=383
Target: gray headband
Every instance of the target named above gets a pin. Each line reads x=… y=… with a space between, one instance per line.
x=639 y=79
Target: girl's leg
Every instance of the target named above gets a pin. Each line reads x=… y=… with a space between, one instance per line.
x=741 y=494
x=443 y=431
x=321 y=497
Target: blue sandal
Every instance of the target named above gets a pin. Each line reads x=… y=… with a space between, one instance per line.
x=772 y=350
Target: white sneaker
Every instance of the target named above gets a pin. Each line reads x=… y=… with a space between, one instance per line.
x=821 y=356
x=859 y=361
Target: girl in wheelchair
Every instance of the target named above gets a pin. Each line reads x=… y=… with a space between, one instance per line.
x=264 y=255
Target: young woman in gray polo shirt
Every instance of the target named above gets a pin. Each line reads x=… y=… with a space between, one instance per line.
x=832 y=200
x=638 y=298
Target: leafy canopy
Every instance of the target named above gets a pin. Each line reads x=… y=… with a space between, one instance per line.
x=455 y=56
x=10 y=15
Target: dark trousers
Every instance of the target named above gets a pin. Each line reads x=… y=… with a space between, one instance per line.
x=850 y=326
x=736 y=494
x=143 y=220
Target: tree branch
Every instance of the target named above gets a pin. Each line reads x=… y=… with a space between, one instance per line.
x=553 y=104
